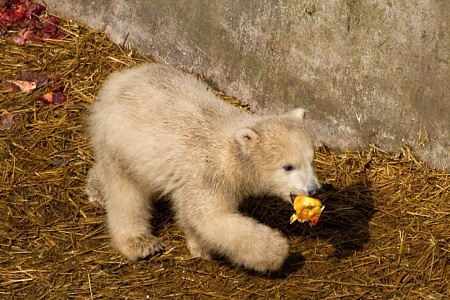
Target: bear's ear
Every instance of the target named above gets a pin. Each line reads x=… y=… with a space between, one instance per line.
x=298 y=113
x=246 y=138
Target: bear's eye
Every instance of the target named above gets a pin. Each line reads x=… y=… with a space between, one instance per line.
x=288 y=168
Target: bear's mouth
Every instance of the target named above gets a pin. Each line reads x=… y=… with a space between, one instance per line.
x=292 y=196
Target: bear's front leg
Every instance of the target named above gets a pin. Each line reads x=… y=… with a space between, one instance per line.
x=245 y=241
x=129 y=215
x=210 y=228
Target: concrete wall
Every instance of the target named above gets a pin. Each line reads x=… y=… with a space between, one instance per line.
x=375 y=71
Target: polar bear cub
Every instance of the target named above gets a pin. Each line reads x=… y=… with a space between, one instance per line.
x=157 y=132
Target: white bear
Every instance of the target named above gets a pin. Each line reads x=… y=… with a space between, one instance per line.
x=157 y=132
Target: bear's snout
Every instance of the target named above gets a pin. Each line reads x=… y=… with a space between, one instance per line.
x=315 y=191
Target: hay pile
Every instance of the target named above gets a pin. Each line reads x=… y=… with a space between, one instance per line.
x=384 y=234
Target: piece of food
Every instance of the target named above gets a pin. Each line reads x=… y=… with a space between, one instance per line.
x=307 y=209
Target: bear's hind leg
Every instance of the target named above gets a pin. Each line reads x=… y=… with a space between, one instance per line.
x=195 y=245
x=129 y=215
x=94 y=185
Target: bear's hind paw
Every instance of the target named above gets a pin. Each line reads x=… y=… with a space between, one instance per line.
x=141 y=246
x=93 y=190
x=197 y=250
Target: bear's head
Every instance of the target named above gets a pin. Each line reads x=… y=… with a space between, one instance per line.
x=278 y=155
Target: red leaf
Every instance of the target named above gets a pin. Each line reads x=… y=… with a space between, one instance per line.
x=15 y=13
x=25 y=35
x=19 y=10
x=50 y=29
x=49 y=19
x=17 y=86
x=9 y=86
x=34 y=9
x=11 y=17
x=53 y=97
x=41 y=78
x=8 y=120
x=33 y=24
x=19 y=2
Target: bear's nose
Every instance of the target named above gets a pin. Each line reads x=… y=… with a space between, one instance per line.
x=315 y=191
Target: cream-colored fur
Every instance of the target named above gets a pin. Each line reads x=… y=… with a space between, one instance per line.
x=158 y=132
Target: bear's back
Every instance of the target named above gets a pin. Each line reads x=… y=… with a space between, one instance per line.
x=161 y=97
x=159 y=118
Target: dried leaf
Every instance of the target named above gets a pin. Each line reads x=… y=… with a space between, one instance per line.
x=8 y=120
x=11 y=16
x=40 y=78
x=34 y=9
x=24 y=14
x=9 y=86
x=53 y=97
x=50 y=30
x=17 y=86
x=25 y=35
x=59 y=162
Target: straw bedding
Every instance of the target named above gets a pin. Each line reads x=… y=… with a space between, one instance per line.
x=384 y=233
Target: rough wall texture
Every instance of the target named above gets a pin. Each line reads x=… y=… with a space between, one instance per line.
x=375 y=71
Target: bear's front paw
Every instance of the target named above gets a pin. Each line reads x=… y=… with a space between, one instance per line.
x=140 y=246
x=269 y=254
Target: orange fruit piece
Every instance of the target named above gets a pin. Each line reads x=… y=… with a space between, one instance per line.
x=307 y=209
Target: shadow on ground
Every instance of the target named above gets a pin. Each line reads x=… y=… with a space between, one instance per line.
x=344 y=224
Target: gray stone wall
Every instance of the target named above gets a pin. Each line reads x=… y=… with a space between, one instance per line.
x=375 y=71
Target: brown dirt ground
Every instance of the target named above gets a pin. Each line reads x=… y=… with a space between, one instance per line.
x=384 y=233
